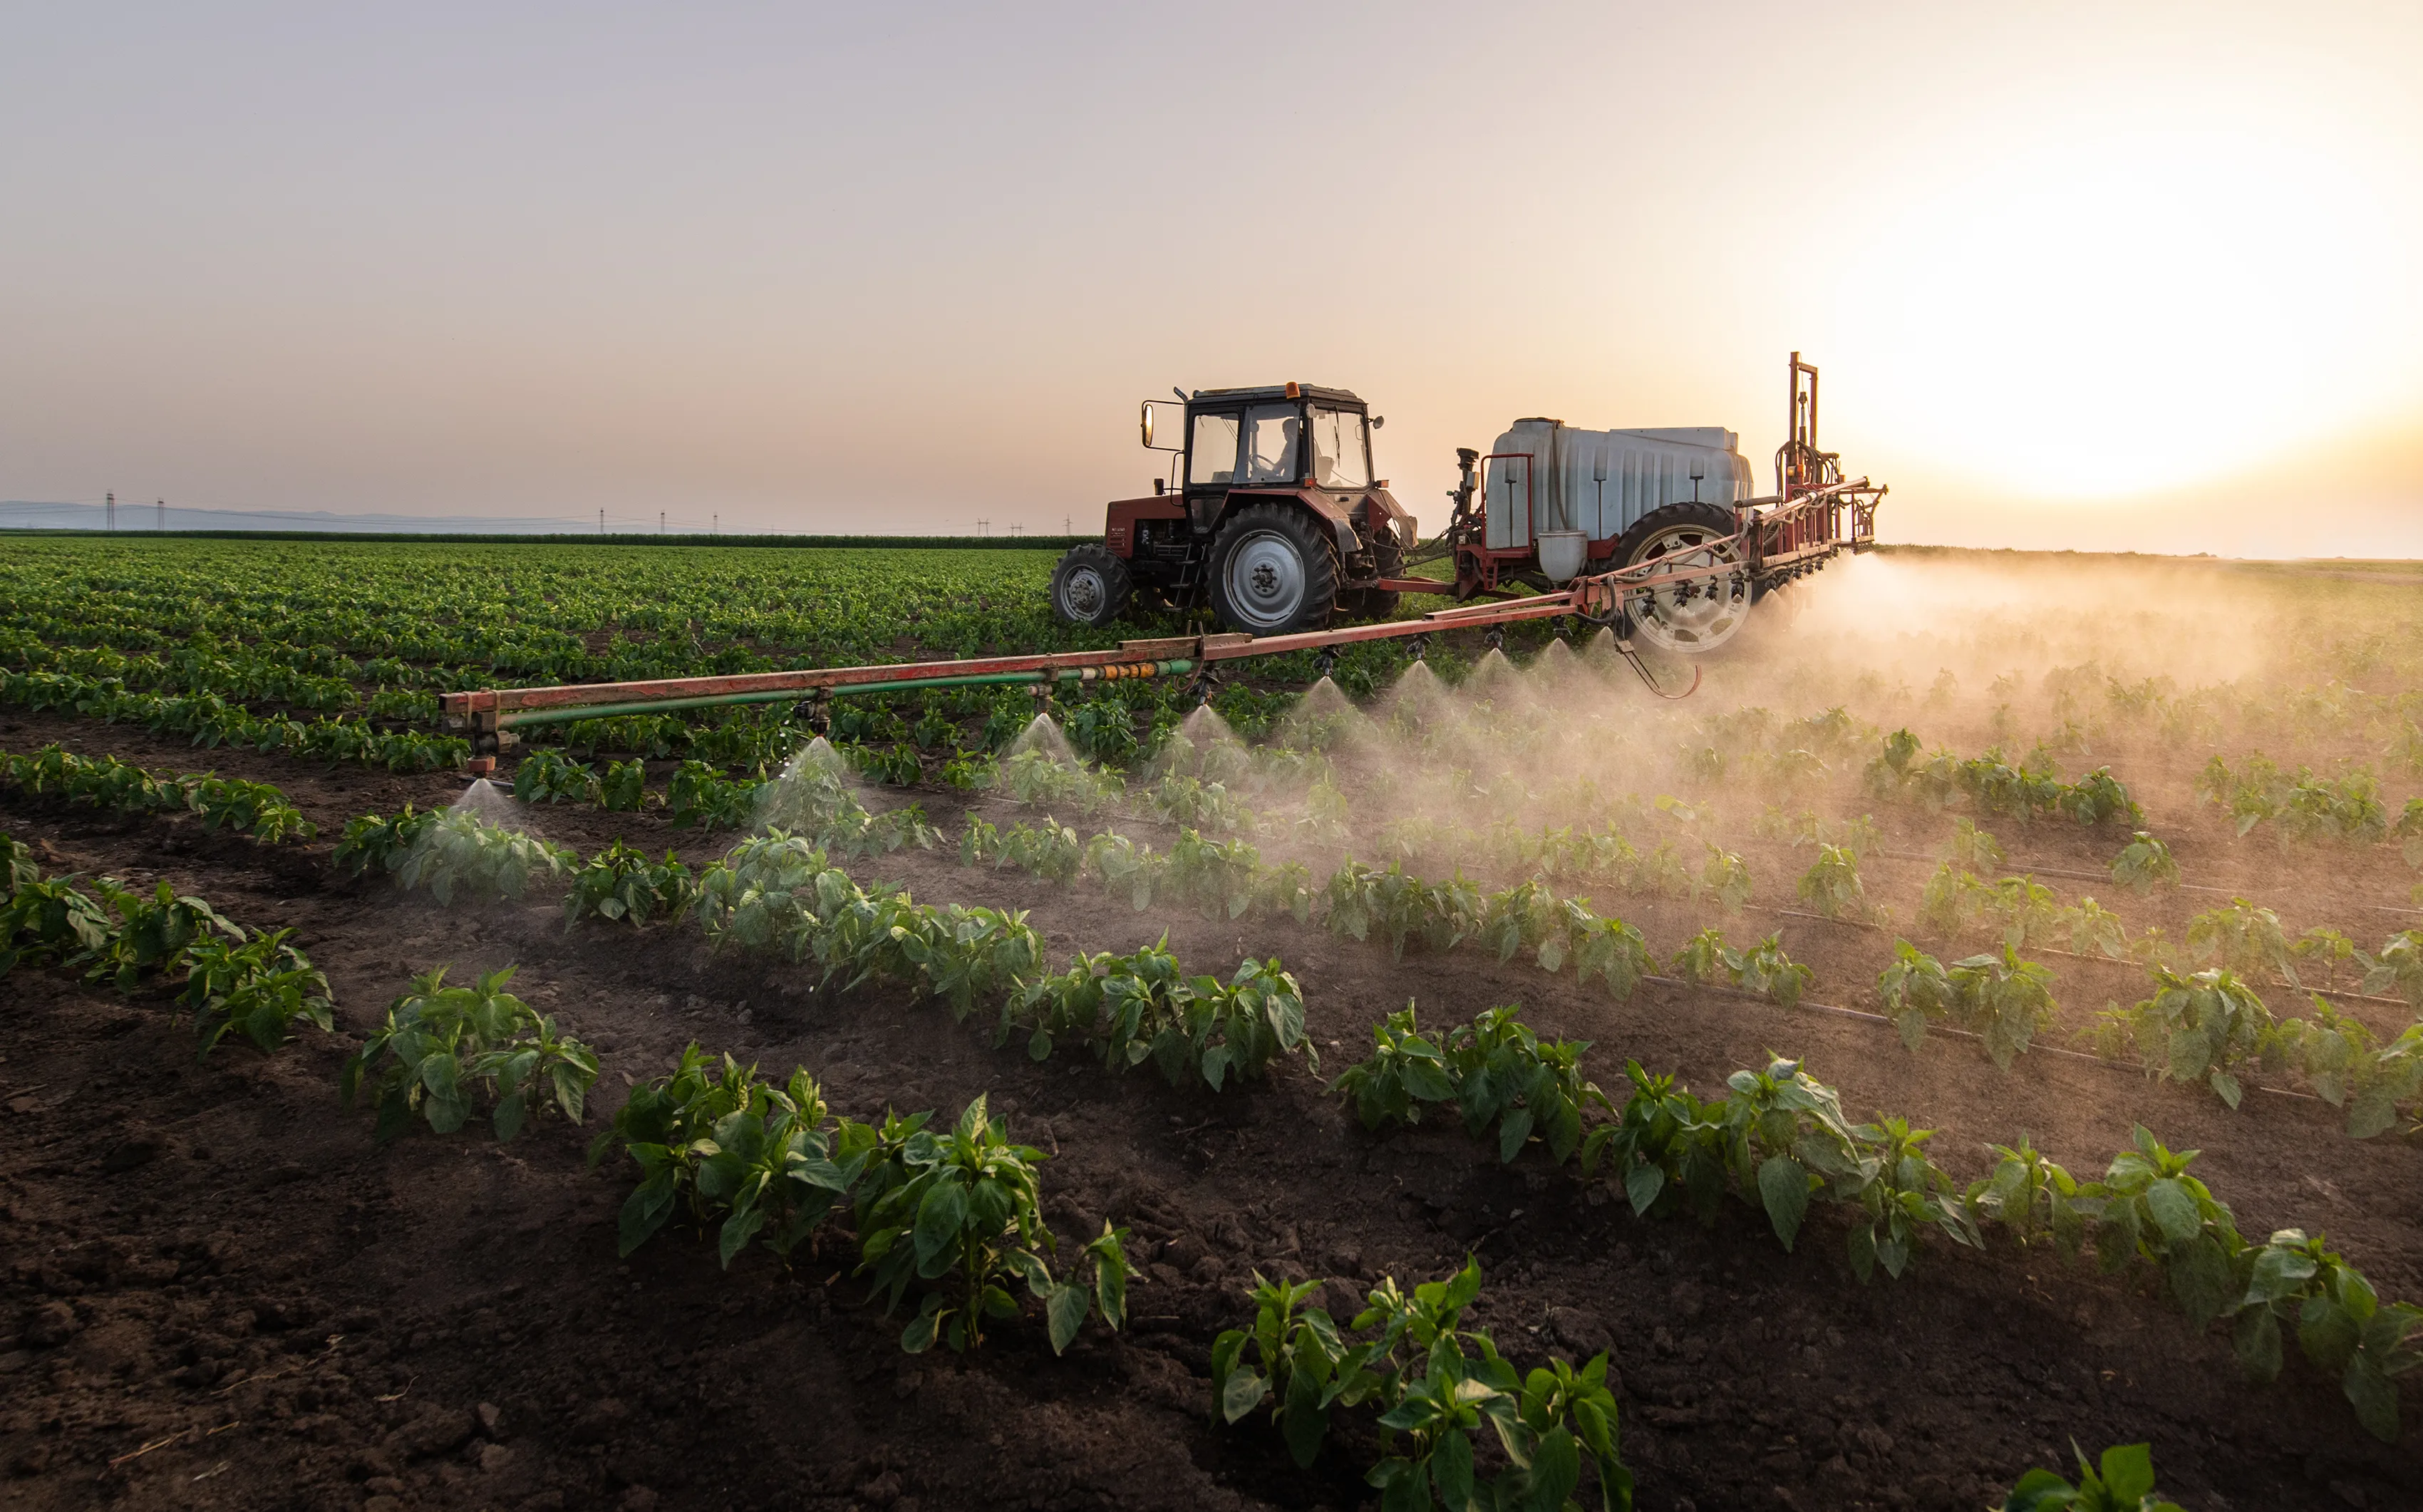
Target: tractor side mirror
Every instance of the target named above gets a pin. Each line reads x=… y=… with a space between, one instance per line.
x=1148 y=422
x=1145 y=425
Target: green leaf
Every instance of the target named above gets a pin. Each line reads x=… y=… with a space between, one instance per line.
x=1556 y=1470
x=940 y=1216
x=1303 y=1422
x=1641 y=1184
x=2258 y=1341
x=643 y=1212
x=1452 y=1470
x=2201 y=1278
x=2041 y=1491
x=2174 y=1210
x=2372 y=1112
x=446 y=1114
x=508 y=1117
x=2374 y=1395
x=1783 y=1187
x=1512 y=1131
x=1066 y=1311
x=1243 y=1392
x=738 y=1229
x=2129 y=1472
x=1862 y=1239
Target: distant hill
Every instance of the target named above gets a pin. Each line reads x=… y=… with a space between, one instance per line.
x=145 y=519
x=136 y=517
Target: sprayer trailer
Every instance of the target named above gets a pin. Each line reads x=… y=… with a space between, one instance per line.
x=1272 y=518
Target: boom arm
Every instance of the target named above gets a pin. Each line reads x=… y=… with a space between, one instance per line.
x=1774 y=538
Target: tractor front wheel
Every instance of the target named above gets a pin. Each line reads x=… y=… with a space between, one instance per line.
x=1090 y=586
x=1272 y=570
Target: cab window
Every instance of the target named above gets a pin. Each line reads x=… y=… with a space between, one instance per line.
x=1212 y=450
x=1273 y=440
x=1342 y=457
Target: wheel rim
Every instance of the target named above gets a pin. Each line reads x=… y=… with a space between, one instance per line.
x=1266 y=580
x=1083 y=592
x=1699 y=615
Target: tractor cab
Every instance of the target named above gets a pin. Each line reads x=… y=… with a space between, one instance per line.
x=1266 y=437
x=1268 y=512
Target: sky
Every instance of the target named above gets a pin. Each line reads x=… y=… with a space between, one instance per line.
x=2129 y=276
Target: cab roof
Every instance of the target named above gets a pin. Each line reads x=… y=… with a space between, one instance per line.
x=1278 y=391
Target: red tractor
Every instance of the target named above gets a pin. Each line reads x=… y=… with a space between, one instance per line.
x=1270 y=514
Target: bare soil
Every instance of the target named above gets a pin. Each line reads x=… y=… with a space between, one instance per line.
x=221 y=1293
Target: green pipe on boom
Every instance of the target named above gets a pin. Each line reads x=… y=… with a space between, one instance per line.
x=514 y=718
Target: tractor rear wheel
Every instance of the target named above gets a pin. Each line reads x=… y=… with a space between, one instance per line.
x=1704 y=613
x=1090 y=586
x=1272 y=570
x=1388 y=555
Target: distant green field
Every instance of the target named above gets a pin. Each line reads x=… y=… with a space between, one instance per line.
x=559 y=610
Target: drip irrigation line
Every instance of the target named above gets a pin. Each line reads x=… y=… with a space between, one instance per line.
x=2082 y=955
x=1863 y=1016
x=2104 y=877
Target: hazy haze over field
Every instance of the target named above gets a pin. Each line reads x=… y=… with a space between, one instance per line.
x=2074 y=279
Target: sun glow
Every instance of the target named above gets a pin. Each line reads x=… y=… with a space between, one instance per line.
x=2142 y=309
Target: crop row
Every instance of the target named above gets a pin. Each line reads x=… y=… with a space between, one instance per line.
x=227 y=979
x=211 y=720
x=1781 y=1142
x=776 y=892
x=2207 y=1026
x=2301 y=806
x=255 y=808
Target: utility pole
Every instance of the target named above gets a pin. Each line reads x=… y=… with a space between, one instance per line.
x=984 y=527
x=601 y=522
x=660 y=522
x=159 y=514
x=109 y=512
x=716 y=529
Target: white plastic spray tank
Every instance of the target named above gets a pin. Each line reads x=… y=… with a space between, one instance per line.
x=1546 y=477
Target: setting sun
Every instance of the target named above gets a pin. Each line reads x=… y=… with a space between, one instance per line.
x=2137 y=307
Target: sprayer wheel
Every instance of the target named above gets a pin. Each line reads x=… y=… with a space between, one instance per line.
x=1272 y=570
x=1700 y=615
x=1090 y=586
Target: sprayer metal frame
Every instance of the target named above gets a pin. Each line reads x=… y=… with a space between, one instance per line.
x=1776 y=536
